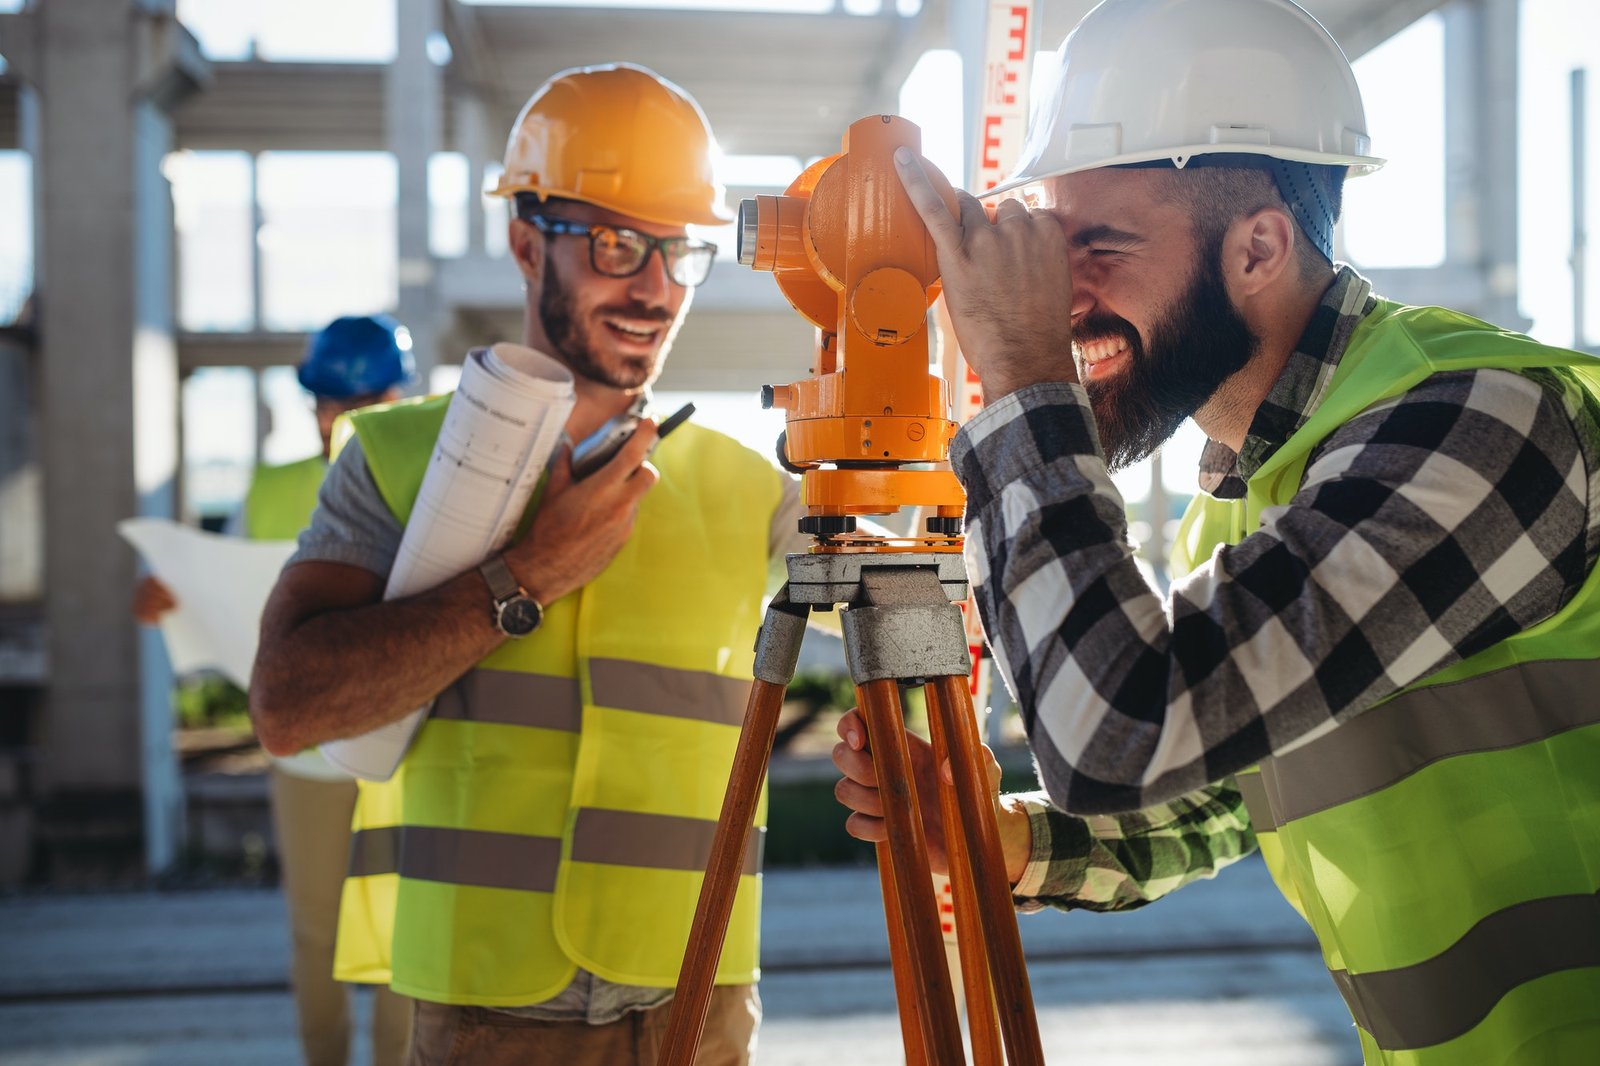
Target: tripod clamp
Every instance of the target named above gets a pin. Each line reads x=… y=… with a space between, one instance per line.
x=900 y=620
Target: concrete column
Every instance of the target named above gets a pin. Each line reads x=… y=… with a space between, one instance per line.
x=109 y=415
x=1480 y=73
x=474 y=141
x=414 y=116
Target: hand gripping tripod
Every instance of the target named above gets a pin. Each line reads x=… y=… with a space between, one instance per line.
x=851 y=254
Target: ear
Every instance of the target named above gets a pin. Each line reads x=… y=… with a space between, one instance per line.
x=527 y=248
x=1257 y=250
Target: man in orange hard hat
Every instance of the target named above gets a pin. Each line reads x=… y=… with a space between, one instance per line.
x=530 y=872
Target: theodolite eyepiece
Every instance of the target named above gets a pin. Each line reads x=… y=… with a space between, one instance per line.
x=744 y=242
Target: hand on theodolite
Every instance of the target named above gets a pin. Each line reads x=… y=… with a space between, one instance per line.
x=858 y=790
x=1014 y=335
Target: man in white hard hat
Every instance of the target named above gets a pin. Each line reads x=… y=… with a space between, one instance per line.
x=530 y=872
x=1377 y=663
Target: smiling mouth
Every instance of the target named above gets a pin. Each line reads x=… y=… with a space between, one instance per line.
x=1100 y=357
x=634 y=331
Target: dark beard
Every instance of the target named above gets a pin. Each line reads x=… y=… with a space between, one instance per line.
x=556 y=316
x=1200 y=342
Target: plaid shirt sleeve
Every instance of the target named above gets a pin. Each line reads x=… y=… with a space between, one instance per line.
x=1427 y=528
x=1118 y=862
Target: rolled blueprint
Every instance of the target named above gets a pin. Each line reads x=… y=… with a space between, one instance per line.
x=502 y=424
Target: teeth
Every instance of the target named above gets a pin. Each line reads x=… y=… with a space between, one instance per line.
x=1098 y=351
x=634 y=331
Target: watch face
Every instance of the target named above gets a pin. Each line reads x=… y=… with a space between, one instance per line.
x=520 y=616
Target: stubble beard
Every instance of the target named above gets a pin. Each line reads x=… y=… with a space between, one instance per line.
x=557 y=314
x=1199 y=343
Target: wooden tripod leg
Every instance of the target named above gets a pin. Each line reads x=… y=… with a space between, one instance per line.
x=982 y=1025
x=913 y=882
x=693 y=996
x=905 y=985
x=1014 y=997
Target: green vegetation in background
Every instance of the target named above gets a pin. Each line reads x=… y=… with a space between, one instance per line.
x=209 y=701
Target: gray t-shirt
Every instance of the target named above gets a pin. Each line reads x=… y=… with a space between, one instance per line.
x=353 y=525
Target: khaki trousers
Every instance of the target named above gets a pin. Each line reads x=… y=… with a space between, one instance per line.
x=476 y=1036
x=311 y=819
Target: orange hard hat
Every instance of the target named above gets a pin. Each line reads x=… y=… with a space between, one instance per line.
x=621 y=137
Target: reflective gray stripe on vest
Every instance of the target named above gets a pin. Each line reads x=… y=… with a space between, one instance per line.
x=1445 y=996
x=634 y=686
x=510 y=697
x=1254 y=792
x=661 y=841
x=1492 y=712
x=457 y=857
x=511 y=860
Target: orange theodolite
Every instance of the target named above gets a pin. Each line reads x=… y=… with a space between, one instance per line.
x=851 y=255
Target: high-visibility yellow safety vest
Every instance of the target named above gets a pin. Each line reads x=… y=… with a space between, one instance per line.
x=557 y=808
x=277 y=507
x=1444 y=844
x=281 y=499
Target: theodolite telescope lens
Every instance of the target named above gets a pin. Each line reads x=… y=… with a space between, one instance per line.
x=745 y=241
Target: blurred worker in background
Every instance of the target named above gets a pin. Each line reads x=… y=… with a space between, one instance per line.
x=1377 y=661
x=352 y=363
x=530 y=872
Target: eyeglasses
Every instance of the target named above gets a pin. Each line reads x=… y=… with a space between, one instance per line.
x=616 y=252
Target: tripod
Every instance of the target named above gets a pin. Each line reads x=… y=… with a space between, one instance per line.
x=901 y=626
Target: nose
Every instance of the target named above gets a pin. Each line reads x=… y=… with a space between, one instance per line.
x=1083 y=298
x=652 y=285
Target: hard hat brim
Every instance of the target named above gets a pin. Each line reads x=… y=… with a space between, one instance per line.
x=1179 y=158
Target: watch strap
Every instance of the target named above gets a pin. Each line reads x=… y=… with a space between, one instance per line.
x=502 y=582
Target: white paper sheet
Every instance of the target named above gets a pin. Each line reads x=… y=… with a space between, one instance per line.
x=501 y=426
x=221 y=585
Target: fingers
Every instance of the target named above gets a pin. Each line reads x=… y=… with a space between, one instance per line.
x=1007 y=210
x=852 y=729
x=859 y=798
x=560 y=470
x=631 y=456
x=855 y=765
x=862 y=827
x=945 y=231
x=151 y=600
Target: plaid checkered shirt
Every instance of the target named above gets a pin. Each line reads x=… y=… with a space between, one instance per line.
x=1427 y=528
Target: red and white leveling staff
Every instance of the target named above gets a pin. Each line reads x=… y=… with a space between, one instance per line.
x=1002 y=124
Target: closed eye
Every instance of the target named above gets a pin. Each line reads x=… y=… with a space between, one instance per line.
x=1105 y=240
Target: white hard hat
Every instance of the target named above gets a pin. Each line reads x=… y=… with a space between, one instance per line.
x=1140 y=81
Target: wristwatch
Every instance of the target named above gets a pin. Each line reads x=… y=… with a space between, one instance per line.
x=516 y=614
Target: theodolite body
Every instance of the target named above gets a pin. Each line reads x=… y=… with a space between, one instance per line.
x=851 y=254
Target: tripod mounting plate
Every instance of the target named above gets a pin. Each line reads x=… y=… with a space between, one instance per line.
x=832 y=579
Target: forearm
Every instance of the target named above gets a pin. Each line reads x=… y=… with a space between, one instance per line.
x=1314 y=616
x=1125 y=861
x=345 y=672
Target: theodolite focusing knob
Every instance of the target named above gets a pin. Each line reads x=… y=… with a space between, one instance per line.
x=828 y=525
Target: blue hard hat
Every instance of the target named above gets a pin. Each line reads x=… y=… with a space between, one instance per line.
x=357 y=355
